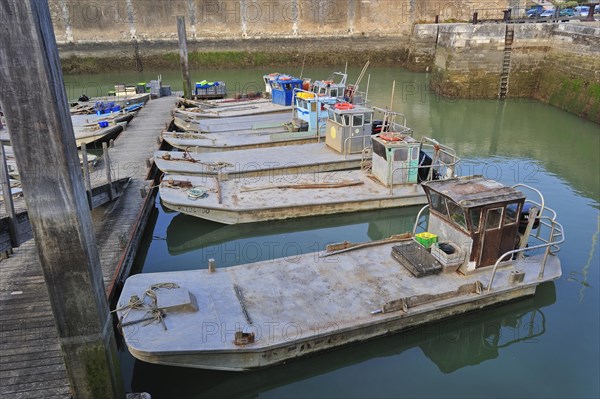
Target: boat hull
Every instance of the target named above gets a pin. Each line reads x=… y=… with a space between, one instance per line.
x=231 y=143
x=286 y=196
x=101 y=135
x=307 y=158
x=309 y=303
x=252 y=360
x=232 y=111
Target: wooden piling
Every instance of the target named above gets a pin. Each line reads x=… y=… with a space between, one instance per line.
x=106 y=157
x=183 y=57
x=56 y=201
x=13 y=229
x=86 y=175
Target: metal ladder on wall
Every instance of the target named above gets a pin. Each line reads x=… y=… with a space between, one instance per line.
x=508 y=42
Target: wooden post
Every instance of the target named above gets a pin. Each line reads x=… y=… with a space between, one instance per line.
x=590 y=16
x=183 y=57
x=86 y=175
x=13 y=229
x=36 y=108
x=107 y=169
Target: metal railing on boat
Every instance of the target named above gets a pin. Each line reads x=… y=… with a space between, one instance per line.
x=547 y=222
x=437 y=162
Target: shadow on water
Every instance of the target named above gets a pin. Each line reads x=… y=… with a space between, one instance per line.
x=450 y=344
x=187 y=233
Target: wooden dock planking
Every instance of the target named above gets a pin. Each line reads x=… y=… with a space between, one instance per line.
x=31 y=363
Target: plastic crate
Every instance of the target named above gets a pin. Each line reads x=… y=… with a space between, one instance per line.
x=426 y=239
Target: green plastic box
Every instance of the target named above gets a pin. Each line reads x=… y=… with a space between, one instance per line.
x=426 y=239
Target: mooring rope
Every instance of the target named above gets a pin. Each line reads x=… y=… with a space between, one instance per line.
x=153 y=314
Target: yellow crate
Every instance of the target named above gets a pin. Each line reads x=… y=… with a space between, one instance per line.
x=305 y=96
x=426 y=239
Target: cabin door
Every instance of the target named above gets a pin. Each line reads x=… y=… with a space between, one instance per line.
x=491 y=237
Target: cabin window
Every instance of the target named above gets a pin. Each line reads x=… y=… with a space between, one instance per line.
x=333 y=92
x=475 y=219
x=346 y=119
x=494 y=218
x=338 y=119
x=368 y=118
x=330 y=115
x=379 y=149
x=313 y=107
x=288 y=87
x=438 y=203
x=400 y=154
x=457 y=214
x=357 y=120
x=415 y=153
x=510 y=216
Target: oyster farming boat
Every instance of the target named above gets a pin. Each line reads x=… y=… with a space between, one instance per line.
x=348 y=133
x=390 y=179
x=485 y=244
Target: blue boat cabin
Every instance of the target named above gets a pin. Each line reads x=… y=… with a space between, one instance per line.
x=282 y=89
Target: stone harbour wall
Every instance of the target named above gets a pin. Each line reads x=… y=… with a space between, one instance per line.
x=78 y=21
x=558 y=63
x=570 y=73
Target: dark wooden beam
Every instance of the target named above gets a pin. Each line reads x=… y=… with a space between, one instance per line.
x=11 y=221
x=35 y=104
x=183 y=57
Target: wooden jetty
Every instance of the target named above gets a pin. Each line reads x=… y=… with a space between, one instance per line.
x=31 y=365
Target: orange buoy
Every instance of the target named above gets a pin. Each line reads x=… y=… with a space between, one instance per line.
x=343 y=106
x=389 y=137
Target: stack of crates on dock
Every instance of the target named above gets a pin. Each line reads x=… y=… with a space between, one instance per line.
x=155 y=86
x=210 y=90
x=157 y=89
x=122 y=90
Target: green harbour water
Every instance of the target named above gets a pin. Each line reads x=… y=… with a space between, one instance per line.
x=544 y=346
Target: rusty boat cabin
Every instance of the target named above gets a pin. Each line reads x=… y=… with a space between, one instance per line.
x=484 y=217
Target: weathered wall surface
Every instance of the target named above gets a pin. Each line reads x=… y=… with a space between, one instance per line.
x=468 y=60
x=556 y=63
x=79 y=21
x=570 y=73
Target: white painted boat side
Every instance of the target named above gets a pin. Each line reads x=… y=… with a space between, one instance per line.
x=262 y=199
x=243 y=122
x=237 y=140
x=305 y=158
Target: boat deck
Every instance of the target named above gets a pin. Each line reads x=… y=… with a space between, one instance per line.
x=255 y=122
x=304 y=303
x=282 y=197
x=233 y=110
x=241 y=139
x=31 y=365
x=305 y=158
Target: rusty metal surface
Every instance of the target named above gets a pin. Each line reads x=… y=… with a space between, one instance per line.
x=472 y=191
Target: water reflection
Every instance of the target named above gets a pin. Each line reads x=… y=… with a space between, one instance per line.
x=451 y=345
x=188 y=234
x=563 y=144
